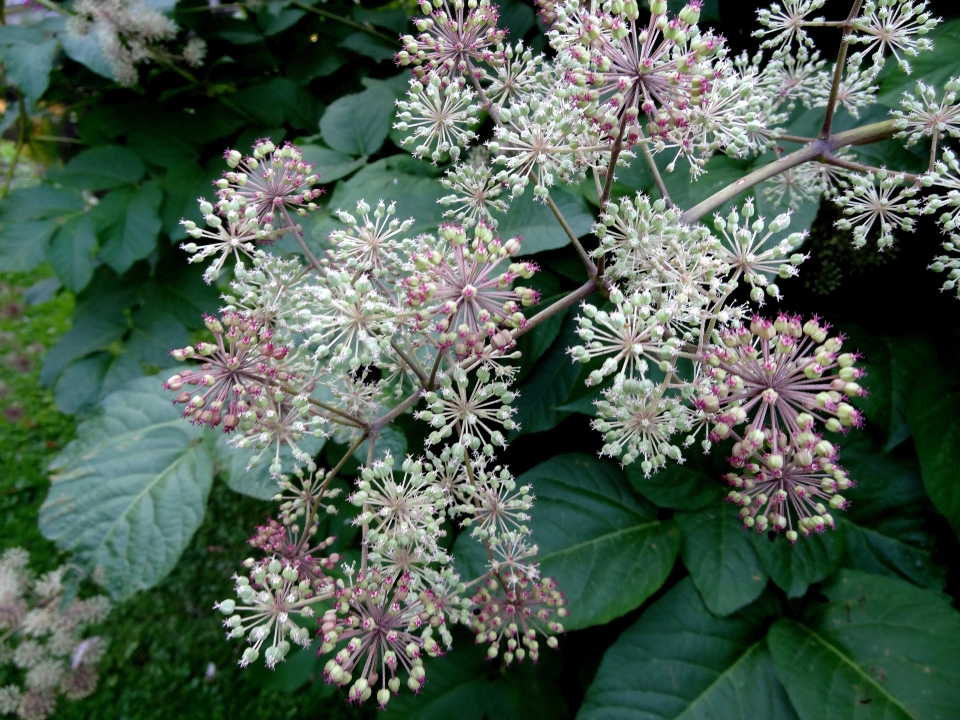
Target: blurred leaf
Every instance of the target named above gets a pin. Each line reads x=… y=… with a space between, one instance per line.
x=86 y=50
x=71 y=253
x=879 y=648
x=370 y=46
x=680 y=661
x=23 y=246
x=132 y=234
x=720 y=557
x=394 y=19
x=101 y=168
x=38 y=203
x=358 y=124
x=131 y=489
x=154 y=334
x=280 y=100
x=794 y=568
x=28 y=60
x=330 y=164
x=78 y=389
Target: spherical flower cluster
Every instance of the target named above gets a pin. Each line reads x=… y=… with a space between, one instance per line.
x=515 y=616
x=774 y=376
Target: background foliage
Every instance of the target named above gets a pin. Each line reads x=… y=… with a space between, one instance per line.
x=675 y=611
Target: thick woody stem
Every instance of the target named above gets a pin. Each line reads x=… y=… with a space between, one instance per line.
x=815 y=150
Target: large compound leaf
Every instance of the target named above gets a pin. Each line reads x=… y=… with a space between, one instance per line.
x=680 y=661
x=679 y=487
x=936 y=432
x=720 y=557
x=879 y=648
x=605 y=547
x=131 y=490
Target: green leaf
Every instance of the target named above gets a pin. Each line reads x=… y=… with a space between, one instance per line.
x=720 y=557
x=372 y=47
x=255 y=480
x=78 y=389
x=538 y=227
x=330 y=164
x=133 y=235
x=680 y=661
x=98 y=321
x=879 y=648
x=280 y=100
x=465 y=685
x=39 y=203
x=86 y=50
x=605 y=547
x=29 y=64
x=391 y=440
x=795 y=568
x=131 y=490
x=883 y=529
x=23 y=246
x=549 y=386
x=399 y=179
x=358 y=124
x=318 y=60
x=154 y=334
x=936 y=436
x=101 y=168
x=71 y=252
x=676 y=486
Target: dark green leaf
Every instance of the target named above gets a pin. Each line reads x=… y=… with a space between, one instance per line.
x=101 y=168
x=680 y=661
x=883 y=529
x=358 y=124
x=154 y=334
x=23 y=246
x=466 y=686
x=85 y=49
x=936 y=435
x=794 y=568
x=29 y=64
x=247 y=478
x=879 y=648
x=605 y=548
x=280 y=100
x=676 y=486
x=392 y=179
x=370 y=46
x=78 y=389
x=134 y=234
x=550 y=384
x=39 y=203
x=71 y=252
x=720 y=557
x=538 y=227
x=131 y=489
